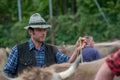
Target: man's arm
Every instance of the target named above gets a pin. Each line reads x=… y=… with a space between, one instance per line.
x=78 y=47
x=74 y=56
x=104 y=73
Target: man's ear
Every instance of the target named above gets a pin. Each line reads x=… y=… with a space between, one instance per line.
x=30 y=31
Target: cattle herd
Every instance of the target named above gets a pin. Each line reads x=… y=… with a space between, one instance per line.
x=85 y=71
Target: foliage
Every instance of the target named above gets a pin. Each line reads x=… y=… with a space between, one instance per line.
x=67 y=27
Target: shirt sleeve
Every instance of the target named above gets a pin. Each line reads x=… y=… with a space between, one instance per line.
x=113 y=63
x=10 y=67
x=61 y=57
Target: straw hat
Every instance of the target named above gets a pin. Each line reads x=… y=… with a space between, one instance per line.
x=36 y=21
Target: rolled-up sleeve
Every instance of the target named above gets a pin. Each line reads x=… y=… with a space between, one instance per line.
x=61 y=58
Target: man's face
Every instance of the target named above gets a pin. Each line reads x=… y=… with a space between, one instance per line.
x=39 y=34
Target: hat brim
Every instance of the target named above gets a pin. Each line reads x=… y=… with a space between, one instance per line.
x=38 y=26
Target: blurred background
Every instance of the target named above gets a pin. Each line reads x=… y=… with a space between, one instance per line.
x=70 y=19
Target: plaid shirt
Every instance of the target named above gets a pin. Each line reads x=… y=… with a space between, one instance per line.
x=113 y=63
x=10 y=67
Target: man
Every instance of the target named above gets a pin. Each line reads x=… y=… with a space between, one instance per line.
x=110 y=68
x=89 y=53
x=34 y=52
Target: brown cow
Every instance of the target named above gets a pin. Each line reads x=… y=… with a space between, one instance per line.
x=105 y=48
x=3 y=57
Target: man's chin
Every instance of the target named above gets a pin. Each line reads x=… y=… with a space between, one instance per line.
x=42 y=41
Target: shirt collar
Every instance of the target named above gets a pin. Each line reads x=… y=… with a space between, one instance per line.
x=31 y=45
x=88 y=46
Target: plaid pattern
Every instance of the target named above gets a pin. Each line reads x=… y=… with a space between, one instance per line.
x=114 y=63
x=10 y=67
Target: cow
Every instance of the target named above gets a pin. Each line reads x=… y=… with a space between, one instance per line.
x=85 y=71
x=3 y=57
x=8 y=51
x=105 y=48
